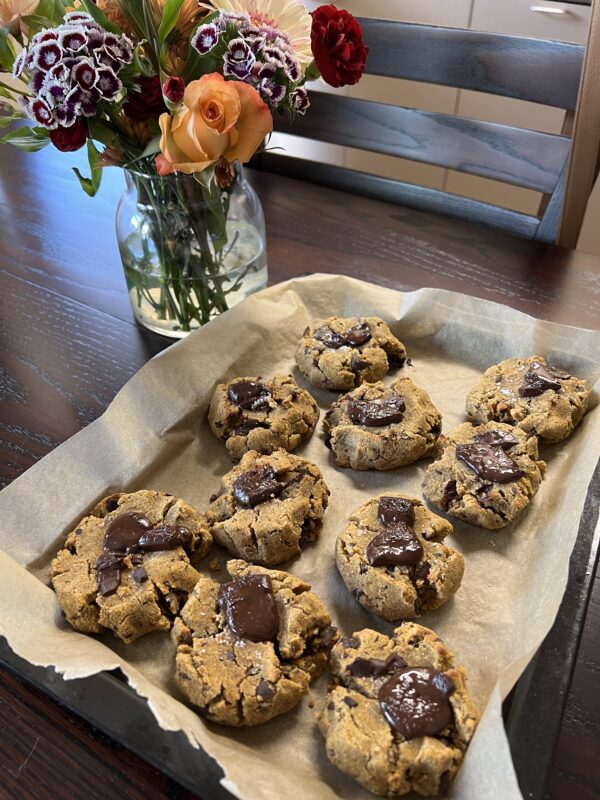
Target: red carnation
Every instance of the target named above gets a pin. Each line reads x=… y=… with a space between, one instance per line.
x=337 y=45
x=173 y=89
x=145 y=100
x=72 y=138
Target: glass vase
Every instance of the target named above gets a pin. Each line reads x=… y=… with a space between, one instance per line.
x=189 y=251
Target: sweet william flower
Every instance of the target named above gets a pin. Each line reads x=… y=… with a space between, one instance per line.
x=71 y=138
x=173 y=89
x=217 y=119
x=337 y=46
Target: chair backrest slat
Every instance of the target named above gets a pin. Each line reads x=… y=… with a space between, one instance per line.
x=537 y=70
x=513 y=155
x=419 y=197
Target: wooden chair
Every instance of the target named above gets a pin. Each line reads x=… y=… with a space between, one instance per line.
x=539 y=71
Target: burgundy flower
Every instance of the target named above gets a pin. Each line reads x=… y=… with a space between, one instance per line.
x=71 y=138
x=337 y=45
x=108 y=84
x=173 y=89
x=41 y=113
x=299 y=101
x=46 y=55
x=148 y=101
x=72 y=39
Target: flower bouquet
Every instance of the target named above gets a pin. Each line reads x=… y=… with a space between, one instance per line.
x=178 y=93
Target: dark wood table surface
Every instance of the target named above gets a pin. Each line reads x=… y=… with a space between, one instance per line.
x=68 y=343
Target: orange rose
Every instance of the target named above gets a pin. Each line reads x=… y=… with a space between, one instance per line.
x=218 y=119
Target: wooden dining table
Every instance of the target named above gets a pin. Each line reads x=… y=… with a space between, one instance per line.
x=68 y=343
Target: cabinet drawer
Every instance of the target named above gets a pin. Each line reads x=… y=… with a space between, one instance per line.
x=565 y=22
x=450 y=13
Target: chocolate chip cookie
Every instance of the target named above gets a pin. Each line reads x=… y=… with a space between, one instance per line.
x=541 y=399
x=340 y=354
x=399 y=718
x=382 y=427
x=248 y=649
x=392 y=559
x=487 y=474
x=269 y=507
x=125 y=567
x=262 y=415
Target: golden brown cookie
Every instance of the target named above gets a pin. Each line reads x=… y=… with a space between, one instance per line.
x=382 y=427
x=270 y=506
x=541 y=399
x=262 y=415
x=486 y=475
x=399 y=718
x=125 y=566
x=248 y=649
x=341 y=353
x=391 y=557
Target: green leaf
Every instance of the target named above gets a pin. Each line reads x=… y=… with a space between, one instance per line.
x=134 y=11
x=29 y=139
x=6 y=120
x=91 y=185
x=170 y=16
x=100 y=17
x=152 y=147
x=7 y=51
x=36 y=23
x=205 y=178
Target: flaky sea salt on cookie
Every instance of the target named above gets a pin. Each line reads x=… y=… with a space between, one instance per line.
x=541 y=399
x=341 y=353
x=248 y=649
x=486 y=475
x=125 y=567
x=399 y=717
x=259 y=414
x=382 y=427
x=269 y=508
x=391 y=557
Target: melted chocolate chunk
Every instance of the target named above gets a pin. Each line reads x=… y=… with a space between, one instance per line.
x=376 y=667
x=356 y=363
x=540 y=378
x=108 y=573
x=249 y=607
x=264 y=690
x=376 y=414
x=497 y=439
x=249 y=394
x=358 y=335
x=393 y=510
x=123 y=532
x=328 y=636
x=354 y=337
x=330 y=338
x=397 y=545
x=350 y=701
x=415 y=701
x=165 y=537
x=488 y=462
x=140 y=575
x=248 y=425
x=350 y=644
x=256 y=486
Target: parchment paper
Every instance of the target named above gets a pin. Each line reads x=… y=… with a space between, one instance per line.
x=155 y=435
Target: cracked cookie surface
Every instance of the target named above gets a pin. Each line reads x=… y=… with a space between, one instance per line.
x=539 y=398
x=125 y=567
x=399 y=718
x=248 y=649
x=341 y=353
x=391 y=557
x=262 y=415
x=270 y=506
x=486 y=475
x=382 y=427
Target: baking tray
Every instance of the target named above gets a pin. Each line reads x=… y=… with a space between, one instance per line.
x=533 y=711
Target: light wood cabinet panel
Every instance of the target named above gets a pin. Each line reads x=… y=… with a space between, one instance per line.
x=565 y=22
x=450 y=13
